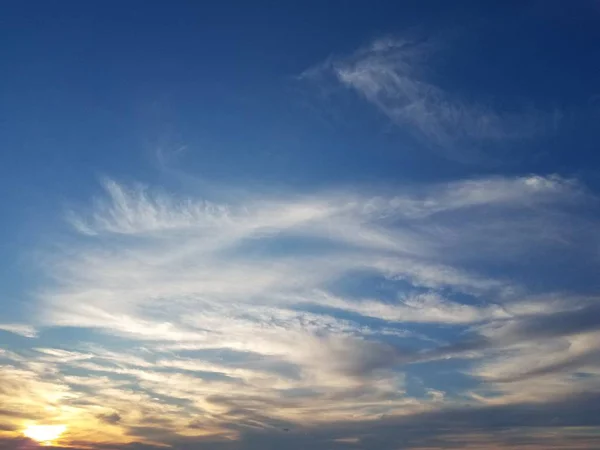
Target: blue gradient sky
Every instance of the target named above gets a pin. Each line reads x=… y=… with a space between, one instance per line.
x=335 y=225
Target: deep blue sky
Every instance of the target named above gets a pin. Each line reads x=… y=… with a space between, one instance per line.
x=422 y=176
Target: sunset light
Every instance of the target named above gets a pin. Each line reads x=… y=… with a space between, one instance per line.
x=44 y=434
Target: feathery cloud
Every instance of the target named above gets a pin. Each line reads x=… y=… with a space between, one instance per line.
x=212 y=321
x=391 y=74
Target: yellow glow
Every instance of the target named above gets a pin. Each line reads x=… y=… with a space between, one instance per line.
x=44 y=433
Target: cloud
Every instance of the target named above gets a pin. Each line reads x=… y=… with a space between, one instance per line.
x=20 y=329
x=112 y=418
x=420 y=308
x=192 y=320
x=391 y=75
x=564 y=323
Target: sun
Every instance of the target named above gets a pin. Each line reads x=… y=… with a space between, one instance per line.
x=44 y=434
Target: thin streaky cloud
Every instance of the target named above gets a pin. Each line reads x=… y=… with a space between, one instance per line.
x=232 y=308
x=20 y=329
x=391 y=74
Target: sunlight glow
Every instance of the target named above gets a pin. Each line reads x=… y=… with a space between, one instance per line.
x=44 y=433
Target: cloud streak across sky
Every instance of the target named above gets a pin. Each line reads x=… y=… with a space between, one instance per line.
x=392 y=75
x=235 y=321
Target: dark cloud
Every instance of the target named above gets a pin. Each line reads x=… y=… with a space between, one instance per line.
x=360 y=358
x=507 y=425
x=569 y=364
x=500 y=426
x=557 y=324
x=7 y=427
x=15 y=413
x=540 y=327
x=431 y=429
x=26 y=444
x=110 y=418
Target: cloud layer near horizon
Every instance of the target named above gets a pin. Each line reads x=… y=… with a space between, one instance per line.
x=328 y=314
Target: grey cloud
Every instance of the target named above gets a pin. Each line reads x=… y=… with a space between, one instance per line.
x=6 y=426
x=502 y=426
x=590 y=358
x=420 y=429
x=112 y=418
x=554 y=325
x=359 y=357
x=524 y=329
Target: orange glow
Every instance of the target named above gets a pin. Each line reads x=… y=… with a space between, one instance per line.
x=44 y=434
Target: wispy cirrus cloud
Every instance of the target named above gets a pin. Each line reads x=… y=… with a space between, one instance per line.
x=19 y=328
x=391 y=74
x=215 y=321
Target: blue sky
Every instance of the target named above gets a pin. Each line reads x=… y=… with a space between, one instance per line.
x=336 y=225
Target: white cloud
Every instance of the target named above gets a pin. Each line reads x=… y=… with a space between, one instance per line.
x=390 y=74
x=180 y=258
x=240 y=307
x=19 y=328
x=420 y=308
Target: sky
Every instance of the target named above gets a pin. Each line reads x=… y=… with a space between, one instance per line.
x=303 y=224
